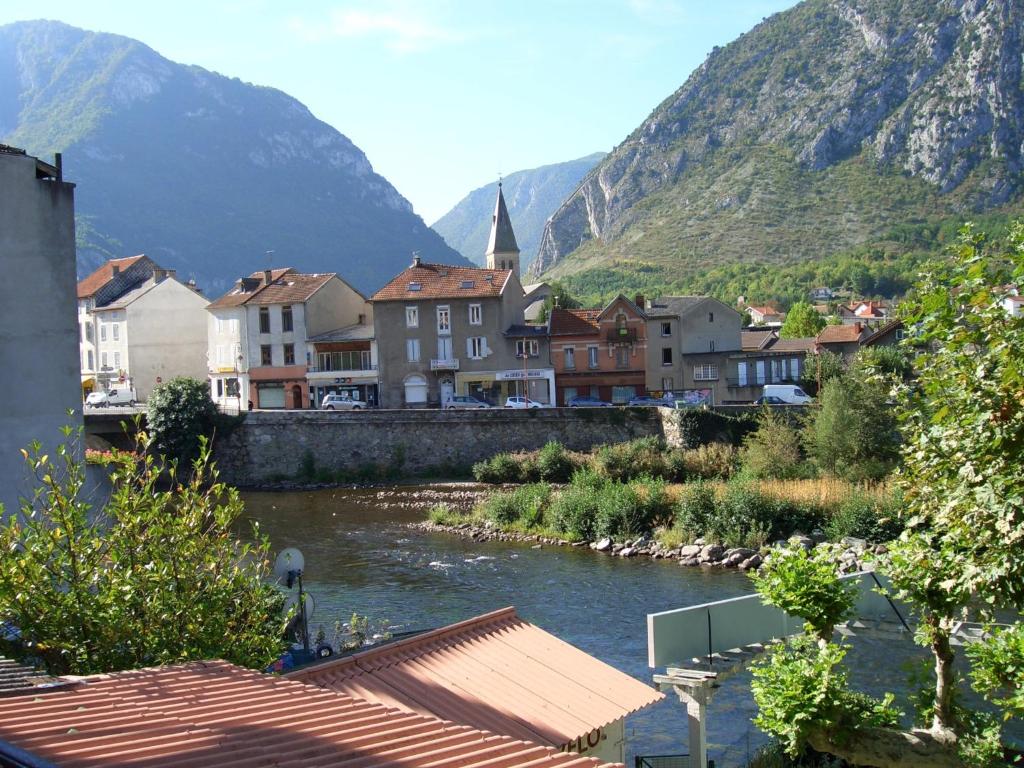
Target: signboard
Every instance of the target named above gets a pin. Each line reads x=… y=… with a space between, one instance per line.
x=520 y=375
x=695 y=397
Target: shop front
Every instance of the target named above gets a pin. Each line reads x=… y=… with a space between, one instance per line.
x=362 y=388
x=281 y=387
x=495 y=387
x=616 y=388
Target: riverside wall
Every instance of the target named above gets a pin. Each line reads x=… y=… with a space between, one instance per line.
x=271 y=446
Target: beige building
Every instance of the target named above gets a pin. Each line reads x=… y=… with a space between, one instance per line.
x=138 y=325
x=259 y=336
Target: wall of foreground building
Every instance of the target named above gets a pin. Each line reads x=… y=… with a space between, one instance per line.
x=39 y=333
x=270 y=446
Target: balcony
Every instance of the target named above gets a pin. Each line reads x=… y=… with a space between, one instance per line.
x=444 y=365
x=343 y=369
x=622 y=336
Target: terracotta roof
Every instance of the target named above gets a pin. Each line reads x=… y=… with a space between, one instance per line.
x=495 y=672
x=794 y=345
x=88 y=286
x=837 y=334
x=443 y=281
x=217 y=714
x=574 y=322
x=754 y=340
x=286 y=287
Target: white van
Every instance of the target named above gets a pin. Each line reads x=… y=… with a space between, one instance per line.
x=787 y=393
x=119 y=396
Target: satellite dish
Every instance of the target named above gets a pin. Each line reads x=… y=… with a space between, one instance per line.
x=290 y=559
x=292 y=601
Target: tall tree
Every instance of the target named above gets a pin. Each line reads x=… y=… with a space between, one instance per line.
x=802 y=321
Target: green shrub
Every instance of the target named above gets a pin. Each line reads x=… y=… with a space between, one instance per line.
x=446 y=514
x=696 y=508
x=501 y=508
x=574 y=510
x=500 y=468
x=624 y=461
x=713 y=461
x=525 y=505
x=773 y=449
x=178 y=414
x=554 y=464
x=866 y=517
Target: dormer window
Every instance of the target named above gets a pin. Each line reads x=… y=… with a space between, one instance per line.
x=415 y=286
x=467 y=284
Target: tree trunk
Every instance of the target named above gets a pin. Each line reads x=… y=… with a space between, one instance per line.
x=884 y=748
x=942 y=712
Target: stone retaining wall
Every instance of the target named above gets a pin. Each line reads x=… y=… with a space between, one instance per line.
x=272 y=446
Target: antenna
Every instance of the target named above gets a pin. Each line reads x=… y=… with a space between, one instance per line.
x=288 y=569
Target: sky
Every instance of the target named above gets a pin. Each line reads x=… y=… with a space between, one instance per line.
x=442 y=95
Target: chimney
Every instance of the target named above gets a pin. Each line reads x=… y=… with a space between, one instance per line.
x=58 y=162
x=266 y=276
x=639 y=300
x=858 y=326
x=415 y=258
x=115 y=269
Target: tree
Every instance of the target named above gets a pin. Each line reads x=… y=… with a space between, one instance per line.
x=819 y=368
x=157 y=577
x=773 y=449
x=802 y=321
x=962 y=552
x=179 y=412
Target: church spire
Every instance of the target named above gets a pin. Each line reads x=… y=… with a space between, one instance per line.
x=502 y=250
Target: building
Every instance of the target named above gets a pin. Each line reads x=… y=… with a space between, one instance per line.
x=600 y=352
x=212 y=713
x=842 y=340
x=767 y=316
x=260 y=347
x=443 y=330
x=138 y=326
x=867 y=313
x=690 y=340
x=496 y=673
x=765 y=359
x=344 y=361
x=38 y=341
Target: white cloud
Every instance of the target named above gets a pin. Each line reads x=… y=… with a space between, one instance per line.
x=399 y=26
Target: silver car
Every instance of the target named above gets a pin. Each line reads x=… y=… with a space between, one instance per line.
x=335 y=402
x=461 y=402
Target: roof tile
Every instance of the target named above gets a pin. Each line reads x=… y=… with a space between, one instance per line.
x=574 y=322
x=88 y=285
x=286 y=286
x=444 y=281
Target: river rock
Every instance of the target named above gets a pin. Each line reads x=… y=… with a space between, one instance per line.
x=690 y=561
x=700 y=542
x=819 y=536
x=690 y=550
x=799 y=540
x=712 y=553
x=754 y=561
x=616 y=548
x=537 y=546
x=603 y=545
x=627 y=551
x=851 y=542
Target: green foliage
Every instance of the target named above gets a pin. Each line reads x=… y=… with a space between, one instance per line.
x=624 y=461
x=554 y=464
x=801 y=687
x=802 y=321
x=696 y=509
x=852 y=431
x=180 y=412
x=158 y=577
x=997 y=669
x=805 y=583
x=446 y=514
x=865 y=516
x=574 y=511
x=525 y=505
x=892 y=361
x=773 y=449
x=822 y=366
x=500 y=468
x=698 y=427
x=711 y=461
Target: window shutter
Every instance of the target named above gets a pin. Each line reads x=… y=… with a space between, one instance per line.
x=469 y=347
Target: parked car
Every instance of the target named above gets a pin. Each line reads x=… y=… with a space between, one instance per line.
x=119 y=396
x=790 y=394
x=646 y=401
x=517 y=401
x=335 y=402
x=587 y=401
x=464 y=402
x=769 y=400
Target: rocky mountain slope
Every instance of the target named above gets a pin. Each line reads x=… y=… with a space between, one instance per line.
x=827 y=126
x=532 y=196
x=202 y=172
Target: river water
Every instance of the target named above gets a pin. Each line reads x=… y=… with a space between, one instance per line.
x=362 y=556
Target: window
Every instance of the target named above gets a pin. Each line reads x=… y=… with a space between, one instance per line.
x=117 y=361
x=231 y=388
x=103 y=331
x=415 y=387
x=711 y=346
x=476 y=314
x=444 y=320
x=711 y=317
x=265 y=358
x=115 y=330
x=666 y=329
x=741 y=374
x=705 y=372
x=667 y=384
x=356 y=360
x=592 y=357
x=89 y=354
x=287 y=324
x=622 y=357
x=413 y=287
x=412 y=317
x=81 y=331
x=289 y=354
x=88 y=331
x=526 y=347
x=666 y=355
x=622 y=395
x=412 y=350
x=444 y=348
x=570 y=357
x=220 y=387
x=103 y=360
x=476 y=346
x=264 y=319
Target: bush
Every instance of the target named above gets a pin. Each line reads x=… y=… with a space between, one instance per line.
x=179 y=413
x=574 y=510
x=773 y=449
x=713 y=461
x=525 y=505
x=500 y=468
x=625 y=461
x=554 y=464
x=698 y=427
x=446 y=514
x=696 y=508
x=866 y=517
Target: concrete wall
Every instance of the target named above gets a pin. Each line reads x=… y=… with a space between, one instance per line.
x=38 y=336
x=270 y=446
x=336 y=305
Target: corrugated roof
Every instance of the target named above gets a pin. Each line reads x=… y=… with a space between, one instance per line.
x=217 y=714
x=88 y=285
x=838 y=334
x=15 y=676
x=286 y=287
x=496 y=672
x=574 y=322
x=502 y=239
x=443 y=281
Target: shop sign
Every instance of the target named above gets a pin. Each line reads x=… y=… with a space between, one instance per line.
x=585 y=743
x=520 y=375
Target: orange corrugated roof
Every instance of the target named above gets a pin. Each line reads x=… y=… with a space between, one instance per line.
x=87 y=286
x=217 y=714
x=444 y=281
x=574 y=322
x=286 y=286
x=495 y=672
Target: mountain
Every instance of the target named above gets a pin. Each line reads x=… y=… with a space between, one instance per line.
x=831 y=126
x=201 y=172
x=532 y=196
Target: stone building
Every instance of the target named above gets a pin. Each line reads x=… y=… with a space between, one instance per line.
x=38 y=340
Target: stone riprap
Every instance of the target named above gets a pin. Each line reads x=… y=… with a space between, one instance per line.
x=272 y=446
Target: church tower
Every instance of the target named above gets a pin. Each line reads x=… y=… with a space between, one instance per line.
x=502 y=250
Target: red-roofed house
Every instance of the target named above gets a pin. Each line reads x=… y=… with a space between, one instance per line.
x=842 y=340
x=599 y=352
x=865 y=312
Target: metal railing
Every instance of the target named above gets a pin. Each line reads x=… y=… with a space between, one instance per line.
x=753 y=381
x=356 y=369
x=622 y=336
